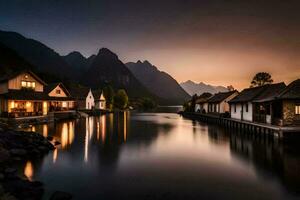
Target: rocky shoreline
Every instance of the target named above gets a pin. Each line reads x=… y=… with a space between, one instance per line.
x=16 y=147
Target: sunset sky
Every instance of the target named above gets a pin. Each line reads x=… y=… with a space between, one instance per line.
x=219 y=42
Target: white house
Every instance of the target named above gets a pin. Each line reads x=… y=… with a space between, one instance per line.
x=84 y=98
x=100 y=101
x=219 y=102
x=247 y=105
x=201 y=104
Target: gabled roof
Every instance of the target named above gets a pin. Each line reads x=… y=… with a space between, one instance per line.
x=292 y=91
x=7 y=77
x=259 y=94
x=52 y=86
x=79 y=92
x=270 y=92
x=203 y=97
x=221 y=96
x=97 y=94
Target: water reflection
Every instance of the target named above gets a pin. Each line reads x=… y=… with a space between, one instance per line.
x=28 y=170
x=137 y=155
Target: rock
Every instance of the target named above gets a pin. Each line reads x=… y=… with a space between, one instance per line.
x=58 y=195
x=10 y=170
x=18 y=152
x=56 y=143
x=1 y=176
x=4 y=155
x=43 y=149
x=50 y=138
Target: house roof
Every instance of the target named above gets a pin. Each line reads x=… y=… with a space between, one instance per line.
x=203 y=97
x=221 y=96
x=270 y=92
x=97 y=94
x=32 y=95
x=292 y=91
x=7 y=77
x=259 y=94
x=52 y=86
x=79 y=92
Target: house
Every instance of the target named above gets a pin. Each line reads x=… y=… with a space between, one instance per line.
x=286 y=106
x=201 y=104
x=22 y=94
x=252 y=104
x=59 y=98
x=100 y=101
x=84 y=98
x=219 y=102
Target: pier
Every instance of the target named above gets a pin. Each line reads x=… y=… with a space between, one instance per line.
x=259 y=129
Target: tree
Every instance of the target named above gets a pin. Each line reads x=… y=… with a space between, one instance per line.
x=261 y=78
x=147 y=104
x=121 y=99
x=109 y=93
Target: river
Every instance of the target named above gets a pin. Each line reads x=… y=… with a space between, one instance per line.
x=162 y=156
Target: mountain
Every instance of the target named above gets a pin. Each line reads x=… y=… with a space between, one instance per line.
x=106 y=68
x=199 y=88
x=37 y=54
x=159 y=83
x=77 y=60
x=10 y=61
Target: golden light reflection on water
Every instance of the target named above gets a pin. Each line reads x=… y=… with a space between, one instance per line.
x=28 y=170
x=55 y=155
x=67 y=134
x=89 y=123
x=103 y=127
x=125 y=126
x=45 y=130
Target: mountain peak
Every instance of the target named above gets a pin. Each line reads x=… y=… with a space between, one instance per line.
x=146 y=62
x=75 y=53
x=105 y=52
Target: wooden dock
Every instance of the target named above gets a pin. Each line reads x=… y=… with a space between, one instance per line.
x=263 y=130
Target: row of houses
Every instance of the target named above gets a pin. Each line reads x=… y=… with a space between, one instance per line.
x=275 y=104
x=24 y=94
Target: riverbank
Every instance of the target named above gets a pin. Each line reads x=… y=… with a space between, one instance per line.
x=17 y=147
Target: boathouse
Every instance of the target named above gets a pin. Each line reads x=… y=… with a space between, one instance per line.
x=218 y=103
x=84 y=98
x=201 y=103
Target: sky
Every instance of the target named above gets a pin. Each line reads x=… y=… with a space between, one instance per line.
x=220 y=42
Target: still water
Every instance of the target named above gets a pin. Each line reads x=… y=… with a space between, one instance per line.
x=162 y=156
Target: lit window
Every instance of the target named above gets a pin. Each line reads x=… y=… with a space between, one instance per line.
x=33 y=84
x=297 y=109
x=23 y=83
x=29 y=84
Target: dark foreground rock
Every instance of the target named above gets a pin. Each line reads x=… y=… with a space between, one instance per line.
x=20 y=146
x=58 y=195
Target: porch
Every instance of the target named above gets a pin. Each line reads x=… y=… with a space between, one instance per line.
x=25 y=108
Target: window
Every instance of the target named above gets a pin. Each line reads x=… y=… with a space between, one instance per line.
x=28 y=84
x=57 y=91
x=297 y=109
x=235 y=108
x=246 y=106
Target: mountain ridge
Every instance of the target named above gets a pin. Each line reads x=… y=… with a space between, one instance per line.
x=192 y=88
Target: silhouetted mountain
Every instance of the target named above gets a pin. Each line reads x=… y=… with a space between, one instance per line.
x=10 y=61
x=37 y=54
x=106 y=68
x=159 y=83
x=199 y=88
x=77 y=60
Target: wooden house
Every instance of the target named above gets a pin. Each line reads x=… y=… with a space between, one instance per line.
x=201 y=103
x=218 y=103
x=100 y=101
x=84 y=98
x=59 y=98
x=22 y=94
